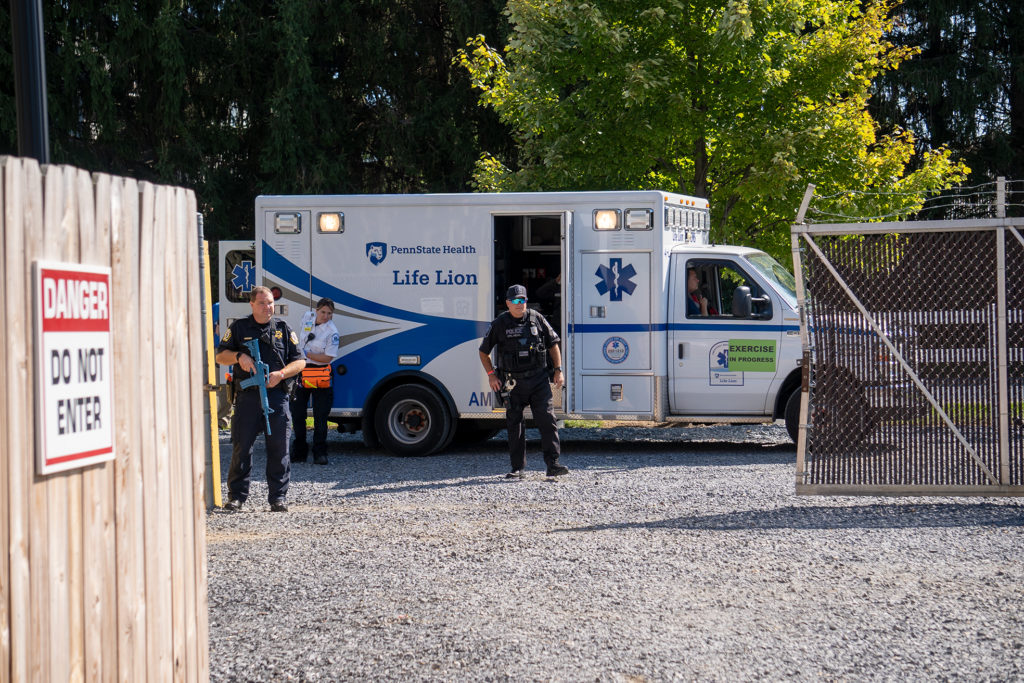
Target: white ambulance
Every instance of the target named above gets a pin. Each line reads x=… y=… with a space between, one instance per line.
x=416 y=279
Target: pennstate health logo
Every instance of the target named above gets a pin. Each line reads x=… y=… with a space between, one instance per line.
x=376 y=252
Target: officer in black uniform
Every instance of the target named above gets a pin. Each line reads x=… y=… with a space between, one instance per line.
x=279 y=349
x=525 y=341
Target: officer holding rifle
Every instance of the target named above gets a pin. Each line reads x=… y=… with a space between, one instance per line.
x=278 y=350
x=525 y=342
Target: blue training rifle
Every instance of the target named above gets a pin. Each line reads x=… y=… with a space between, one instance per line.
x=260 y=375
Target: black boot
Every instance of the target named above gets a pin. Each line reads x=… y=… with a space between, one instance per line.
x=555 y=469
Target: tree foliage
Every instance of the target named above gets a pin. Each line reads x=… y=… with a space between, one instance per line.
x=965 y=88
x=740 y=101
x=239 y=98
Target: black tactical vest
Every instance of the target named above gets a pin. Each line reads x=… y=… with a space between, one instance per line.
x=522 y=346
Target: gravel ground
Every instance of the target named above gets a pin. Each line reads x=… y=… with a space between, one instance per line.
x=666 y=554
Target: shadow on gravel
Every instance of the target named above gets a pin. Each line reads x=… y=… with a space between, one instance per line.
x=681 y=452
x=350 y=492
x=693 y=453
x=355 y=470
x=366 y=472
x=877 y=516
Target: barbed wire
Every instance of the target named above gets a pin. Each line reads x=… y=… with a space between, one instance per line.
x=848 y=193
x=962 y=201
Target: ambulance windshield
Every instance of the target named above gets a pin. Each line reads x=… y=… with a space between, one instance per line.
x=776 y=273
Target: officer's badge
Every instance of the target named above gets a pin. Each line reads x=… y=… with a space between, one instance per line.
x=278 y=334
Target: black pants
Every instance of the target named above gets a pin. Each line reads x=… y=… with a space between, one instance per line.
x=323 y=399
x=246 y=425
x=536 y=393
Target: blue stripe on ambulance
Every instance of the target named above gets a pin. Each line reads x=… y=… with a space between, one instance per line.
x=369 y=364
x=607 y=328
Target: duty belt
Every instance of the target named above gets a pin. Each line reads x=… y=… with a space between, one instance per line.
x=525 y=374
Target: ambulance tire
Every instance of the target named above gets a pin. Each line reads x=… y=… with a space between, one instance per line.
x=842 y=417
x=412 y=420
x=793 y=414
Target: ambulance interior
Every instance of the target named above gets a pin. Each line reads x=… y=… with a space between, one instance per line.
x=527 y=251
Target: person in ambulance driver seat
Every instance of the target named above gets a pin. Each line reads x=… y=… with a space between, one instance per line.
x=696 y=302
x=525 y=341
x=279 y=349
x=318 y=341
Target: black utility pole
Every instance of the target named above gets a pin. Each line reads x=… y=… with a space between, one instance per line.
x=30 y=79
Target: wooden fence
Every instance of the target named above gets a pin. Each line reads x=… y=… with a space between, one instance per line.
x=103 y=574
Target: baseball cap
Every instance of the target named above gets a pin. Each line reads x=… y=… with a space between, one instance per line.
x=515 y=292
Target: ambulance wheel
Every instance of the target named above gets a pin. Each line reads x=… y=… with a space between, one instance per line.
x=842 y=418
x=412 y=420
x=793 y=414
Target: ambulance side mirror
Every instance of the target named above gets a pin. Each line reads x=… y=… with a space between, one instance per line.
x=741 y=302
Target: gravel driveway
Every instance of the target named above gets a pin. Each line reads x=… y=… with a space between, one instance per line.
x=664 y=555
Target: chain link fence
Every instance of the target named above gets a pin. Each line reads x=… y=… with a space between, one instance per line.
x=914 y=357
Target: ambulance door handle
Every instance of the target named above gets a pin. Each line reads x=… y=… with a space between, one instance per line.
x=682 y=354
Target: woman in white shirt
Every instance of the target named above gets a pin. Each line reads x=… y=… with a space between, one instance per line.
x=318 y=340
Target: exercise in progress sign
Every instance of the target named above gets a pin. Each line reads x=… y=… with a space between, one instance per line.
x=74 y=387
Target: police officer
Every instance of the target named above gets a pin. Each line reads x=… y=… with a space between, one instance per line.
x=525 y=341
x=318 y=340
x=279 y=349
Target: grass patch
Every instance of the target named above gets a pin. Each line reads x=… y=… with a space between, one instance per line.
x=582 y=424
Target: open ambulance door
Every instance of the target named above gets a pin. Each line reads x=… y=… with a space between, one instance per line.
x=561 y=397
x=530 y=249
x=236 y=276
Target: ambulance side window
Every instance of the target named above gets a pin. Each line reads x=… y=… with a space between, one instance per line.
x=240 y=274
x=718 y=281
x=729 y=278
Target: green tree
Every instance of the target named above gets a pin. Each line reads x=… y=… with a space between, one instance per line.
x=740 y=101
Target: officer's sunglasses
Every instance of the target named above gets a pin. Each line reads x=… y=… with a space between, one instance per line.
x=519 y=300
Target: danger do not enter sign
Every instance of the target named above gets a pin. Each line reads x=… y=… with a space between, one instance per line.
x=74 y=388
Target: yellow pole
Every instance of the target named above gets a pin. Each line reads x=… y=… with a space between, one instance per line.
x=213 y=498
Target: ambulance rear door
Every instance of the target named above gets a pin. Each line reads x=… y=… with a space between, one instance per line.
x=236 y=276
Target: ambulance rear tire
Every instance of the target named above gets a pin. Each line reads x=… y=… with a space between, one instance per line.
x=793 y=415
x=412 y=420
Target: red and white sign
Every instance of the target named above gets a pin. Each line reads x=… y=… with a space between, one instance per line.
x=74 y=387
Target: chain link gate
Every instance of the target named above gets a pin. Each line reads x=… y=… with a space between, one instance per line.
x=913 y=337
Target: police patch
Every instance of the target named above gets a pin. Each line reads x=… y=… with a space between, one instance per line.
x=295 y=340
x=227 y=335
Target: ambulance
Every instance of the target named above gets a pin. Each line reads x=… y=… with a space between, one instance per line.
x=417 y=279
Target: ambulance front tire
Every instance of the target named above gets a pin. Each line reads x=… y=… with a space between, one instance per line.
x=412 y=420
x=792 y=414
